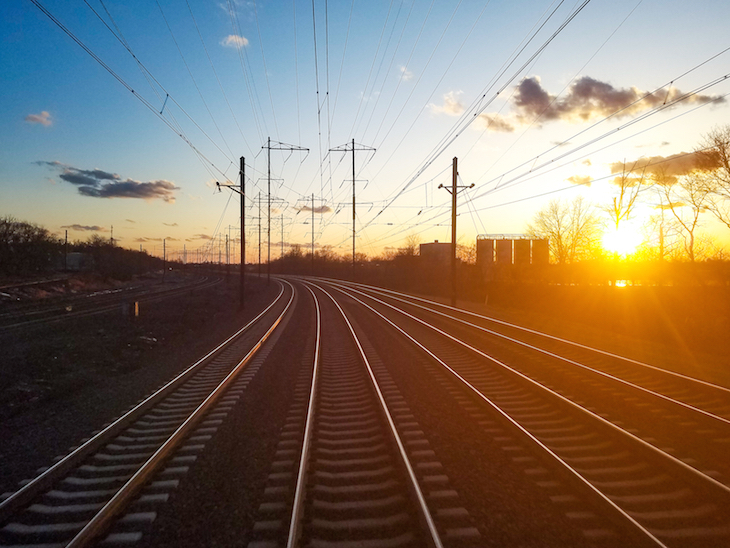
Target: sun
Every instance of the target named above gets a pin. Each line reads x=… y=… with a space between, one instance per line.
x=622 y=240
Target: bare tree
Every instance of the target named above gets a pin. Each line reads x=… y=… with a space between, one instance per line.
x=629 y=188
x=715 y=172
x=571 y=228
x=467 y=253
x=412 y=245
x=686 y=199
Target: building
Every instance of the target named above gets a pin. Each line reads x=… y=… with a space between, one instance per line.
x=436 y=252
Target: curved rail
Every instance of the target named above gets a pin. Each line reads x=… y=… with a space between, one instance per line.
x=398 y=296
x=296 y=525
x=565 y=359
x=110 y=509
x=103 y=519
x=105 y=303
x=585 y=482
x=696 y=477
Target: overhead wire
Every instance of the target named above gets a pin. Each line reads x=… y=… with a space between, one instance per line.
x=266 y=70
x=215 y=72
x=477 y=107
x=150 y=78
x=516 y=179
x=364 y=94
x=253 y=98
x=195 y=83
x=204 y=159
x=379 y=93
x=555 y=98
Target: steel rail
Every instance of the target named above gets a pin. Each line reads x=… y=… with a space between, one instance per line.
x=434 y=537
x=41 y=482
x=583 y=481
x=697 y=473
x=598 y=372
x=389 y=292
x=295 y=525
x=105 y=308
x=105 y=517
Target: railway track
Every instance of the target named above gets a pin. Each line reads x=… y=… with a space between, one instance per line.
x=109 y=486
x=103 y=302
x=352 y=468
x=409 y=423
x=647 y=448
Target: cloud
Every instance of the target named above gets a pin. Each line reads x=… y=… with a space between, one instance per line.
x=131 y=221
x=234 y=41
x=586 y=99
x=133 y=189
x=201 y=237
x=497 y=122
x=669 y=168
x=406 y=75
x=317 y=209
x=86 y=228
x=98 y=183
x=452 y=105
x=170 y=224
x=580 y=180
x=44 y=118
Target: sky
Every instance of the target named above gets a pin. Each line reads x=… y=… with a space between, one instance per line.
x=118 y=118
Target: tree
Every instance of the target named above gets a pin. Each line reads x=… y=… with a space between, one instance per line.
x=686 y=199
x=26 y=247
x=571 y=228
x=412 y=246
x=467 y=253
x=628 y=191
x=714 y=172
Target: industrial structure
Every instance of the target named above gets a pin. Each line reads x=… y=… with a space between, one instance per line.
x=504 y=255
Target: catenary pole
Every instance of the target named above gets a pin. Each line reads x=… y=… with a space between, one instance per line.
x=454 y=190
x=269 y=147
x=454 y=176
x=352 y=147
x=242 y=281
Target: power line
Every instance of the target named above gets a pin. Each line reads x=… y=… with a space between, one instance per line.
x=206 y=162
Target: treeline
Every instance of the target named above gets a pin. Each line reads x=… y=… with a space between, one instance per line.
x=27 y=249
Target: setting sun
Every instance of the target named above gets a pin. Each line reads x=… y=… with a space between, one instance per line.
x=622 y=241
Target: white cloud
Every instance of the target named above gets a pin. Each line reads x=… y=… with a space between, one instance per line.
x=406 y=75
x=234 y=41
x=43 y=118
x=452 y=105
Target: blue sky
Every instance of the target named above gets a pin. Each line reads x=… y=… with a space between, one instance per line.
x=82 y=153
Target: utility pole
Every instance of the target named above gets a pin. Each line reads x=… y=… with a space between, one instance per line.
x=270 y=147
x=242 y=281
x=241 y=190
x=454 y=190
x=352 y=148
x=259 y=234
x=312 y=233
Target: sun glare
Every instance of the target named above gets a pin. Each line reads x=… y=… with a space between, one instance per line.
x=622 y=241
